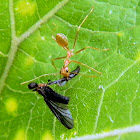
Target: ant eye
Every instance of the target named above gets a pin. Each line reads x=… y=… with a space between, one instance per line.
x=66 y=70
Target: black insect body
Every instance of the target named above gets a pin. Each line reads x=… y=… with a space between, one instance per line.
x=56 y=102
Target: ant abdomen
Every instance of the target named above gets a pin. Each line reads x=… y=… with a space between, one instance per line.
x=62 y=40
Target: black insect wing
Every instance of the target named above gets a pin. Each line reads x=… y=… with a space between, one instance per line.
x=58 y=105
x=74 y=72
x=62 y=113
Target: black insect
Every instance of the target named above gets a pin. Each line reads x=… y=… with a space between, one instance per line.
x=56 y=102
x=62 y=81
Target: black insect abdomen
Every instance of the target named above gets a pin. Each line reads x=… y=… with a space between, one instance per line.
x=52 y=95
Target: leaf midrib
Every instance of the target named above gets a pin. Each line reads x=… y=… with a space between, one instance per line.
x=15 y=41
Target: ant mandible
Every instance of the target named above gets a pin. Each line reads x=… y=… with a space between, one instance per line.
x=62 y=40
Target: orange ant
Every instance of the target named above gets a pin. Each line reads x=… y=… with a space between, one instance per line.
x=62 y=40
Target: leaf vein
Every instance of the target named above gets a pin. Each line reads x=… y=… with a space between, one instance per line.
x=116 y=132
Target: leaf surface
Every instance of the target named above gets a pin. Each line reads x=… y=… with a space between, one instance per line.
x=107 y=105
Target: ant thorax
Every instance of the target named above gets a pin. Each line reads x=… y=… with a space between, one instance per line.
x=66 y=62
x=70 y=53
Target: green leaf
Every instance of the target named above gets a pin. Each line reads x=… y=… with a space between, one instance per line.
x=104 y=107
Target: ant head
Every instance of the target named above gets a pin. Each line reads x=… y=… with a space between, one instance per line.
x=65 y=72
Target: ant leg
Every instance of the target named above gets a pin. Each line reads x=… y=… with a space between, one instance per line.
x=90 y=48
x=57 y=59
x=88 y=75
x=38 y=78
x=53 y=38
x=85 y=66
x=85 y=75
x=80 y=27
x=54 y=32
